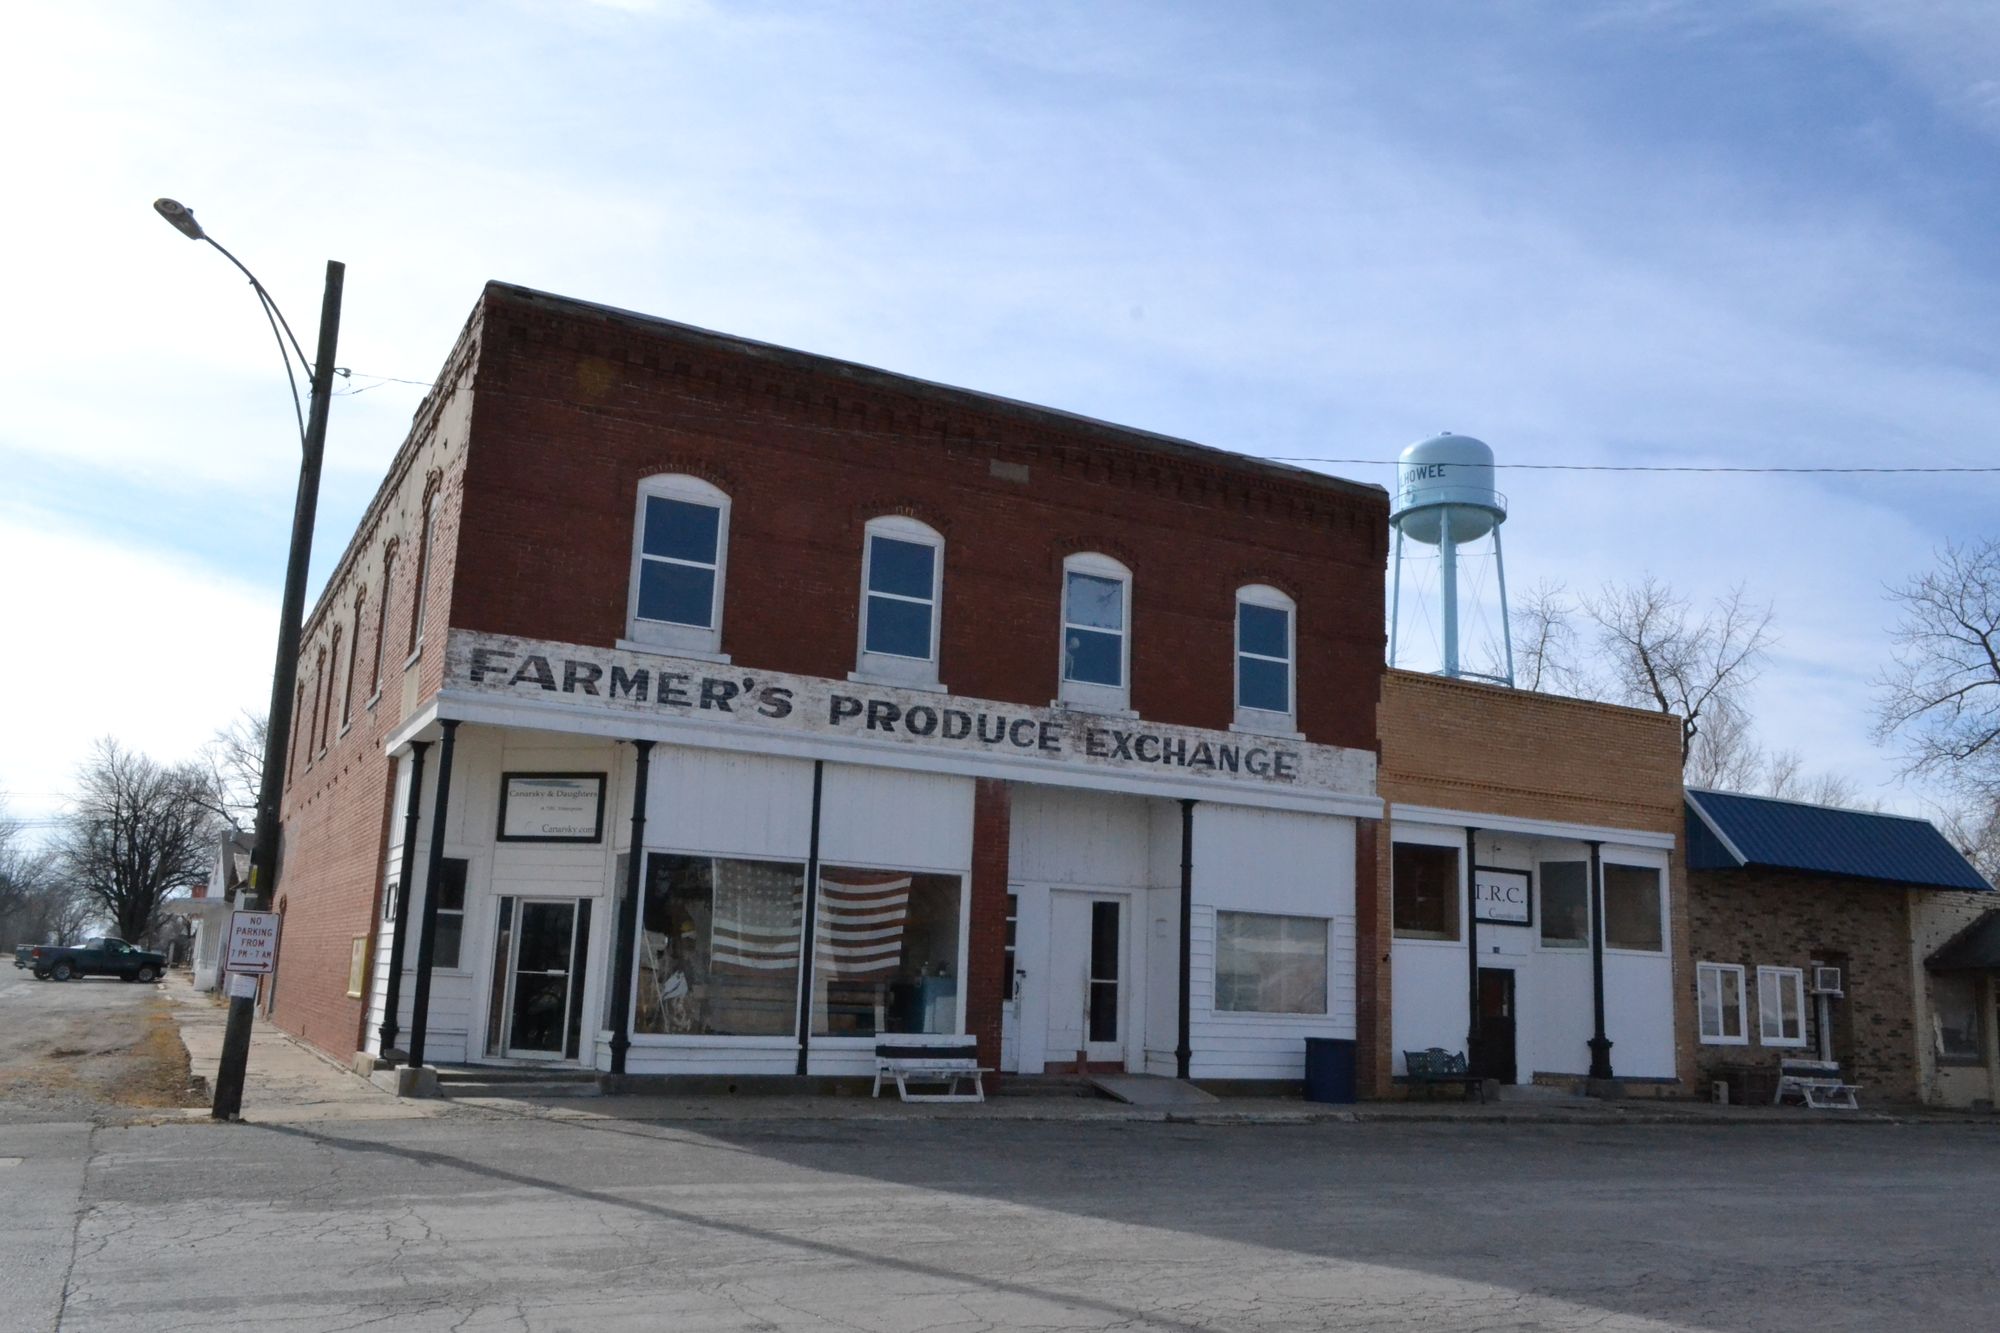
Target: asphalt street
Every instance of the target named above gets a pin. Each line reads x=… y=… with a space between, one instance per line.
x=478 y=1220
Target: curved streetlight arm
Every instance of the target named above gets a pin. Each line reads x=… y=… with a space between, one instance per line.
x=276 y=317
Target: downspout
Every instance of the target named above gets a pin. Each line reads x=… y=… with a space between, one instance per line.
x=1184 y=1049
x=1473 y=1035
x=809 y=929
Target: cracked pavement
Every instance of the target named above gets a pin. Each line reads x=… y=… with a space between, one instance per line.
x=484 y=1220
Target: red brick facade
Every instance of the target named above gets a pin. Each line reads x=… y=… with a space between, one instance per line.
x=550 y=413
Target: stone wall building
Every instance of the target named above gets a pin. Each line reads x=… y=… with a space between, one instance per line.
x=1802 y=927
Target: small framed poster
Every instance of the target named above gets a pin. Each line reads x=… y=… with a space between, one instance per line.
x=1503 y=897
x=357 y=967
x=551 y=807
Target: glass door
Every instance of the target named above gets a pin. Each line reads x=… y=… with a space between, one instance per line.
x=544 y=985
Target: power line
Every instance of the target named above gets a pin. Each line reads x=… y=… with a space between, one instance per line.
x=1638 y=467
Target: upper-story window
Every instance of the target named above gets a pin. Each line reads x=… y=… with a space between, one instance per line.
x=382 y=627
x=420 y=598
x=353 y=651
x=1096 y=632
x=680 y=545
x=902 y=572
x=1264 y=676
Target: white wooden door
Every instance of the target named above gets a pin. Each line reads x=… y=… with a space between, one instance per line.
x=1086 y=982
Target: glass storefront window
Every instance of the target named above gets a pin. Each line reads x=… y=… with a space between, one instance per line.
x=1270 y=964
x=719 y=946
x=1565 y=904
x=1955 y=1032
x=1424 y=889
x=1632 y=908
x=887 y=952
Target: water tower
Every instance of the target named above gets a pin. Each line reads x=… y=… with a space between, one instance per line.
x=1445 y=498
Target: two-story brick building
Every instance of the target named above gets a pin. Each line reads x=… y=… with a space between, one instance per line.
x=722 y=706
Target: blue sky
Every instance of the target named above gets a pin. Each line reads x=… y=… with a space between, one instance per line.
x=1652 y=232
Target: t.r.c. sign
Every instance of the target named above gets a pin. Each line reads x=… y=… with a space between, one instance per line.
x=1502 y=897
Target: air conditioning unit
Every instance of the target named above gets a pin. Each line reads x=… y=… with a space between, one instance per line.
x=1826 y=981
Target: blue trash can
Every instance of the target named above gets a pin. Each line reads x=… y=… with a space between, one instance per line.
x=1329 y=1069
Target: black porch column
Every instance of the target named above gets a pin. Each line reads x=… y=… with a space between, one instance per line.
x=392 y=996
x=809 y=927
x=1474 y=1037
x=626 y=937
x=1600 y=1045
x=420 y=999
x=1184 y=1051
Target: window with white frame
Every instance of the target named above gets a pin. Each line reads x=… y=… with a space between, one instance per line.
x=1264 y=673
x=902 y=575
x=1781 y=1006
x=680 y=542
x=450 y=913
x=1096 y=632
x=1266 y=964
x=1719 y=1003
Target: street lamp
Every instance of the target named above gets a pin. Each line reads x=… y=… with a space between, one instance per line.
x=278 y=727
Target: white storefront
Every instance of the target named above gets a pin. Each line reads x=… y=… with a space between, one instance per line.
x=808 y=878
x=1527 y=950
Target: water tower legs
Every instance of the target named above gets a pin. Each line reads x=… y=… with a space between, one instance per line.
x=1506 y=622
x=1448 y=555
x=1396 y=596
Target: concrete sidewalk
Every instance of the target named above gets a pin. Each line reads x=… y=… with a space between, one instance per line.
x=287 y=1082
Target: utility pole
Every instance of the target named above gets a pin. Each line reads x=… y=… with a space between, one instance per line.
x=263 y=887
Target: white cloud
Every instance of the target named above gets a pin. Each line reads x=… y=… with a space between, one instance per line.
x=111 y=640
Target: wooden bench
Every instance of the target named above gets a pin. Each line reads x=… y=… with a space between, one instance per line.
x=1428 y=1069
x=927 y=1059
x=1817 y=1083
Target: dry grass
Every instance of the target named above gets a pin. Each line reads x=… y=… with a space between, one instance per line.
x=136 y=1063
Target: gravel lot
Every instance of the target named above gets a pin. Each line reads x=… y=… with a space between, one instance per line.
x=86 y=1050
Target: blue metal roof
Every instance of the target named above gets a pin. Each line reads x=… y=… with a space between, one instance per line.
x=1728 y=831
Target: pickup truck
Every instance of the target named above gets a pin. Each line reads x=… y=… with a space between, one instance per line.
x=102 y=957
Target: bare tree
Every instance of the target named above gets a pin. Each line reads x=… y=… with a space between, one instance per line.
x=1546 y=657
x=1941 y=696
x=1974 y=828
x=234 y=758
x=37 y=905
x=1725 y=755
x=1784 y=776
x=1658 y=653
x=137 y=832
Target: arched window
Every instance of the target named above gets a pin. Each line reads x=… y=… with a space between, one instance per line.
x=353 y=651
x=902 y=575
x=420 y=596
x=1265 y=644
x=1096 y=633
x=680 y=548
x=382 y=625
x=326 y=715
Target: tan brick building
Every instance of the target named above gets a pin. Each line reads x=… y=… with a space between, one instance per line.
x=1533 y=847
